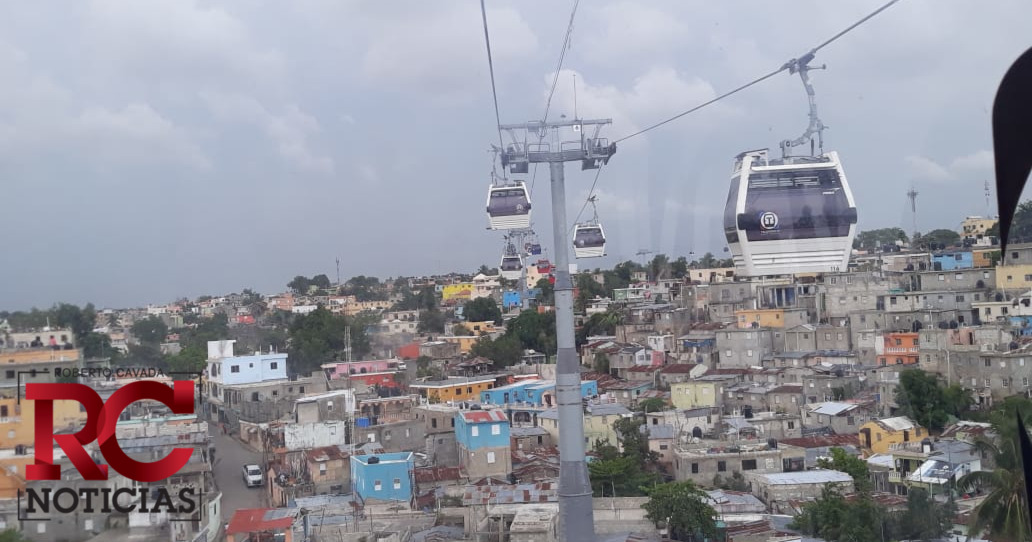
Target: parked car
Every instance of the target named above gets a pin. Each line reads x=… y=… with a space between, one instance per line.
x=253 y=475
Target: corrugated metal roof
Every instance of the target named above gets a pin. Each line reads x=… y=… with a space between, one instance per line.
x=484 y=416
x=818 y=476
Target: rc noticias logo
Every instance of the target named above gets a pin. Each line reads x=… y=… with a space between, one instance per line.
x=101 y=421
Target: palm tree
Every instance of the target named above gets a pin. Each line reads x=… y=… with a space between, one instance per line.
x=1003 y=514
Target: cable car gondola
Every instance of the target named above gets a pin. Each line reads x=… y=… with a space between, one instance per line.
x=589 y=239
x=792 y=215
x=512 y=264
x=508 y=206
x=789 y=216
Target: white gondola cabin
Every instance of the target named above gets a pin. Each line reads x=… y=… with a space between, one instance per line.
x=508 y=206
x=794 y=215
x=589 y=240
x=511 y=267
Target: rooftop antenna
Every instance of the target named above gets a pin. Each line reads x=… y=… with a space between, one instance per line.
x=338 y=270
x=912 y=194
x=988 y=205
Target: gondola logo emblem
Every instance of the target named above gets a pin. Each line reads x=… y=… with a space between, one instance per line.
x=768 y=220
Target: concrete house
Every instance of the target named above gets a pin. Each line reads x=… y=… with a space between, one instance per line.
x=483 y=439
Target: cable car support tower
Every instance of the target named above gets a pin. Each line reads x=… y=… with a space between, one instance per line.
x=576 y=516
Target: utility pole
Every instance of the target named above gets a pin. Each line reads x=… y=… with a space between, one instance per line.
x=576 y=515
x=519 y=237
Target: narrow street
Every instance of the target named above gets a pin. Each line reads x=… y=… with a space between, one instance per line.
x=230 y=458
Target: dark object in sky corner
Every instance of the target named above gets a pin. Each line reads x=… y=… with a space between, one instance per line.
x=1012 y=139
x=1012 y=147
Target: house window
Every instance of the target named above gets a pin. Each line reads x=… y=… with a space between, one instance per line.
x=1024 y=381
x=1003 y=364
x=329 y=406
x=721 y=466
x=88 y=525
x=322 y=469
x=301 y=390
x=749 y=353
x=452 y=420
x=850 y=420
x=1006 y=382
x=791 y=425
x=371 y=437
x=397 y=483
x=275 y=393
x=10 y=375
x=661 y=446
x=987 y=383
x=475 y=431
x=988 y=363
x=433 y=423
x=748 y=464
x=234 y=368
x=695 y=468
x=496 y=429
x=490 y=457
x=377 y=486
x=960 y=299
x=942 y=277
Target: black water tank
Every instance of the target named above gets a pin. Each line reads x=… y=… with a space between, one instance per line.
x=373 y=460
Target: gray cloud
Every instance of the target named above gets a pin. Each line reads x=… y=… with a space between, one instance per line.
x=175 y=147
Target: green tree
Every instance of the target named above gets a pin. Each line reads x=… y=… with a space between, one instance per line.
x=683 y=508
x=364 y=288
x=81 y=321
x=923 y=398
x=873 y=239
x=679 y=268
x=321 y=281
x=547 y=296
x=938 y=238
x=431 y=321
x=319 y=337
x=535 y=331
x=923 y=519
x=11 y=535
x=504 y=351
x=1021 y=226
x=1004 y=511
x=634 y=439
x=150 y=330
x=708 y=261
x=299 y=285
x=617 y=475
x=600 y=323
x=482 y=309
x=189 y=359
x=835 y=519
x=735 y=482
x=587 y=289
x=601 y=363
x=851 y=465
x=652 y=404
x=659 y=267
x=95 y=345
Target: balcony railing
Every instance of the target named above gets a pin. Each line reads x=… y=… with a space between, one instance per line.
x=896 y=477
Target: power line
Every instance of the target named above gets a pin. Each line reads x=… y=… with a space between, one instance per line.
x=562 y=55
x=555 y=82
x=490 y=65
x=788 y=65
x=588 y=199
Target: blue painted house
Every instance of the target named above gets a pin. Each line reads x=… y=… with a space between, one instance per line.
x=512 y=393
x=543 y=393
x=510 y=299
x=948 y=261
x=483 y=439
x=383 y=477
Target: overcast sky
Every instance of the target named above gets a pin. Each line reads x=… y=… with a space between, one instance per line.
x=166 y=148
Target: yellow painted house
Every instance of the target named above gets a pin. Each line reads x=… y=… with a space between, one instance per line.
x=476 y=328
x=1014 y=277
x=703 y=392
x=878 y=435
x=453 y=388
x=459 y=291
x=465 y=342
x=17 y=422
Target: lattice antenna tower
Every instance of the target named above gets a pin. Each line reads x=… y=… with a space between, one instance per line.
x=912 y=194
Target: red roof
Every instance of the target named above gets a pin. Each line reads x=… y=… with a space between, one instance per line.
x=822 y=441
x=788 y=388
x=643 y=369
x=680 y=368
x=484 y=416
x=251 y=520
x=437 y=474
